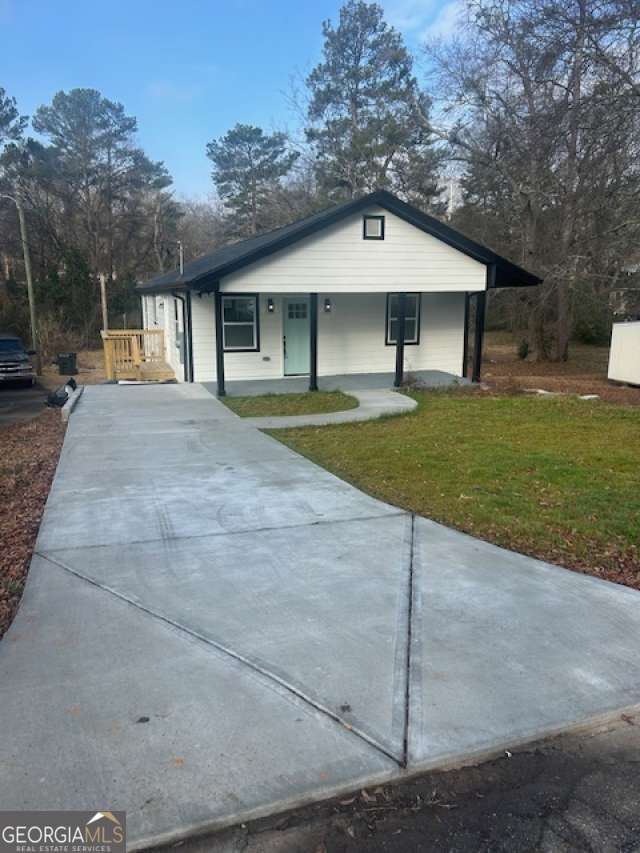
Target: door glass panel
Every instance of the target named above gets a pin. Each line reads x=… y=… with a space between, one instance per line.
x=297 y=310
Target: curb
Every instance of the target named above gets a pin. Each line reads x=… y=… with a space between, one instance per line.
x=71 y=403
x=208 y=829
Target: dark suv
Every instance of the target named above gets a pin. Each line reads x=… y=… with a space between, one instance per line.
x=15 y=361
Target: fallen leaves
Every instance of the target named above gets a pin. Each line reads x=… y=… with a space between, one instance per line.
x=28 y=457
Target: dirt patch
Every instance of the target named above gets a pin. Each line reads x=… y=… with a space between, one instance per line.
x=28 y=457
x=584 y=373
x=90 y=371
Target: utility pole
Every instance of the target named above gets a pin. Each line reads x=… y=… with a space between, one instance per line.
x=181 y=257
x=27 y=271
x=103 y=300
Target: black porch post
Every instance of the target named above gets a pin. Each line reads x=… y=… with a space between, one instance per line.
x=481 y=299
x=313 y=342
x=402 y=310
x=465 y=342
x=219 y=344
x=189 y=335
x=479 y=335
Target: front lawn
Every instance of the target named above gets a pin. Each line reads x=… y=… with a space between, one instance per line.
x=554 y=478
x=275 y=405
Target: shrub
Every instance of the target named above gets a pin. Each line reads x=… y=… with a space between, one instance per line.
x=523 y=349
x=592 y=319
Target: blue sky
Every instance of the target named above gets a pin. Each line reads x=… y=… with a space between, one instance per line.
x=187 y=70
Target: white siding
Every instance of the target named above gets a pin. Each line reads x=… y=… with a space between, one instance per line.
x=204 y=338
x=339 y=259
x=172 y=352
x=624 y=357
x=351 y=338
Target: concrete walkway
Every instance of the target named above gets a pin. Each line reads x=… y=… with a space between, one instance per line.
x=372 y=405
x=216 y=629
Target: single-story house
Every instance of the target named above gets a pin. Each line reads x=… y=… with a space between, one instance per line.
x=370 y=286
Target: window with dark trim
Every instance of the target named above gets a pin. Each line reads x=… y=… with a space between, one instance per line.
x=411 y=318
x=240 y=329
x=373 y=227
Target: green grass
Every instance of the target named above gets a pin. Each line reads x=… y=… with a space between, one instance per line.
x=555 y=478
x=274 y=405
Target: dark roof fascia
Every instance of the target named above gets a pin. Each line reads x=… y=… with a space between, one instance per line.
x=149 y=289
x=457 y=240
x=208 y=283
x=405 y=211
x=508 y=274
x=331 y=217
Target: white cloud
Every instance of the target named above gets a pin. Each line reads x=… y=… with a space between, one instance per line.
x=167 y=90
x=446 y=22
x=409 y=15
x=424 y=19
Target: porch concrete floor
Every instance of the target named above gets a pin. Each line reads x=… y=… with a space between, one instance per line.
x=216 y=629
x=343 y=382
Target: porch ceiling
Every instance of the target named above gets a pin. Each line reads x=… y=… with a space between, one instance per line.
x=334 y=290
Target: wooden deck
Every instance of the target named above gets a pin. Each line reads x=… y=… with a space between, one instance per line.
x=136 y=354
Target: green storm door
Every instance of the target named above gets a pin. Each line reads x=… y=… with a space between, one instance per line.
x=296 y=336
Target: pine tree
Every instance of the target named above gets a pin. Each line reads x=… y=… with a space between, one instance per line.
x=12 y=124
x=247 y=167
x=102 y=175
x=363 y=120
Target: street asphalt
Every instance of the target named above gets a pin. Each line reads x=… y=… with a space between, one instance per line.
x=215 y=630
x=20 y=402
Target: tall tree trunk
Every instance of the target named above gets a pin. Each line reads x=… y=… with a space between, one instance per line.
x=109 y=212
x=535 y=329
x=157 y=244
x=564 y=283
x=254 y=208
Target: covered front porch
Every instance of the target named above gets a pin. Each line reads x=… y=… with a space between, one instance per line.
x=279 y=342
x=344 y=382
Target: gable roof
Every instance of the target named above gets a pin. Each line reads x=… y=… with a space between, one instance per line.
x=203 y=273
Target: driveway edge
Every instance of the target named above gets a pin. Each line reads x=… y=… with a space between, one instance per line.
x=71 y=403
x=589 y=725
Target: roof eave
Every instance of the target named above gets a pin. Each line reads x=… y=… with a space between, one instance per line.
x=509 y=274
x=162 y=287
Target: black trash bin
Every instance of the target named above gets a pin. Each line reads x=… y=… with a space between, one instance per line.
x=67 y=363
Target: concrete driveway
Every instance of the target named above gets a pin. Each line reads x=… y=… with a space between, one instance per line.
x=216 y=629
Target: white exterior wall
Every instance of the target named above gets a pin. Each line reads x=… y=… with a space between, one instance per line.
x=351 y=338
x=357 y=275
x=203 y=334
x=338 y=258
x=624 y=356
x=172 y=353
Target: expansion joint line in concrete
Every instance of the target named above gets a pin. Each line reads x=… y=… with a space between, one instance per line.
x=407 y=696
x=208 y=535
x=263 y=671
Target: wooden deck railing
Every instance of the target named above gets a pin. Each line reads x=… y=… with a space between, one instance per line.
x=135 y=354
